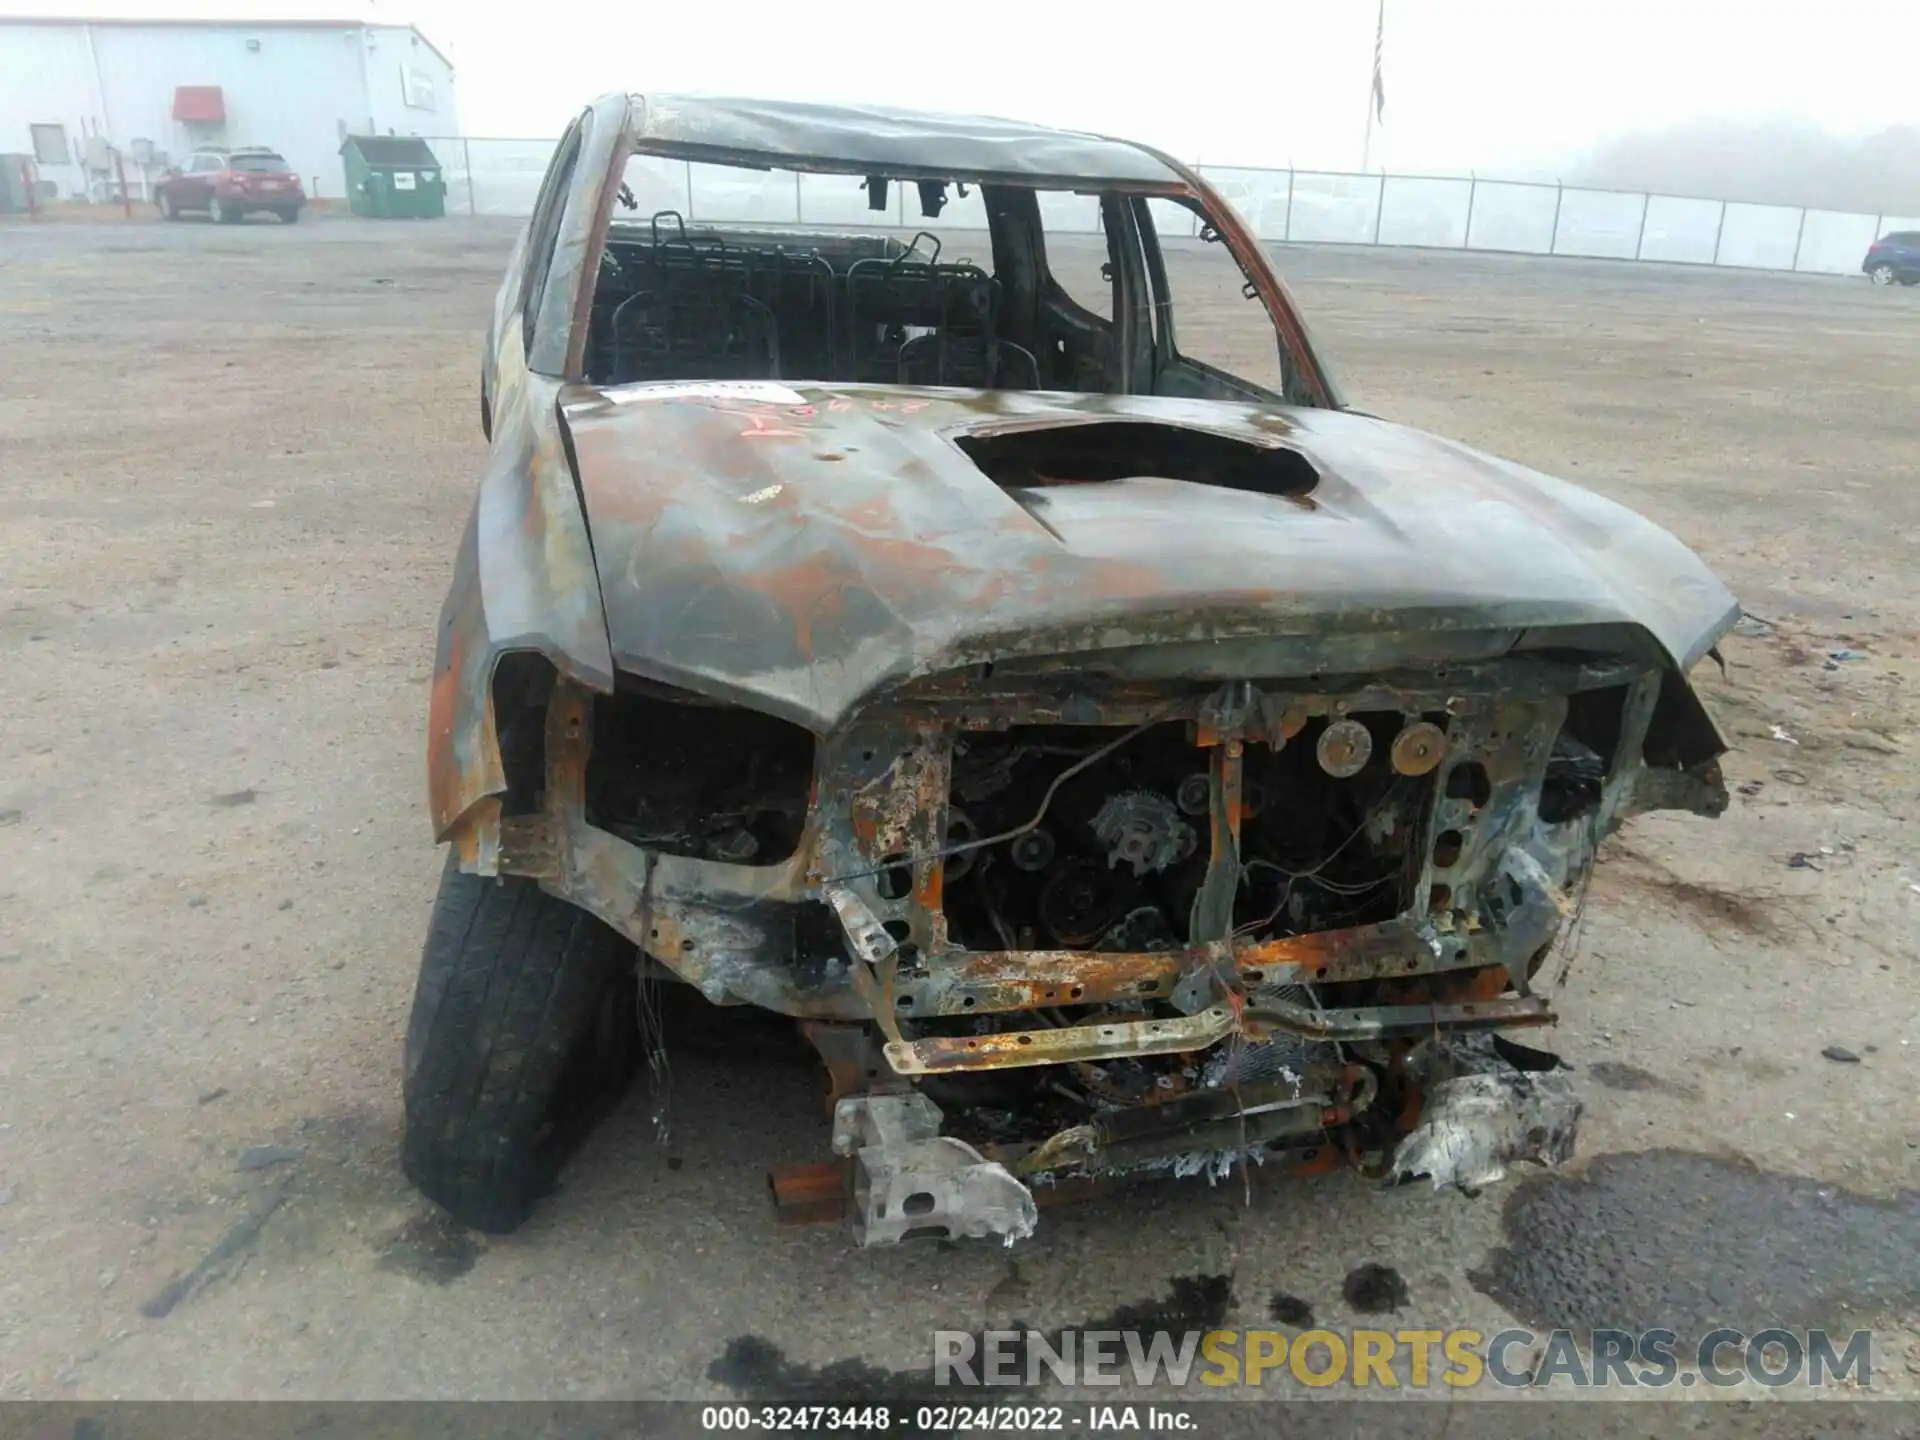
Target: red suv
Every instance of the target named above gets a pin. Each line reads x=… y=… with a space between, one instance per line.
x=228 y=183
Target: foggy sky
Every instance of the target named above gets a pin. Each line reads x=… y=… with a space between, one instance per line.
x=1518 y=88
x=1769 y=161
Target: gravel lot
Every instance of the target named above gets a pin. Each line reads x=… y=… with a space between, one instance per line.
x=237 y=462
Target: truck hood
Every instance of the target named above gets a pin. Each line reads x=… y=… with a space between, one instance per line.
x=799 y=547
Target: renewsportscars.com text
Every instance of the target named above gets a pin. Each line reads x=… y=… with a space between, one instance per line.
x=1412 y=1359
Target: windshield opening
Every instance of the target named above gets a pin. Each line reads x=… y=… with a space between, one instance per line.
x=721 y=272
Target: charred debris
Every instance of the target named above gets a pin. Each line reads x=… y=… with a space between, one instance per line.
x=1253 y=926
x=1116 y=766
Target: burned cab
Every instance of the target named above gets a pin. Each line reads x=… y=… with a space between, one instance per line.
x=926 y=584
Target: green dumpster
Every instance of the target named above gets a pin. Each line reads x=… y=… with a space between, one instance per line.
x=14 y=173
x=394 y=177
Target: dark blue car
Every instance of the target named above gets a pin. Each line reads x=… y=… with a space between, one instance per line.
x=1894 y=256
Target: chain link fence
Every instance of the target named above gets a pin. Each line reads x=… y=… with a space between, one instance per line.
x=502 y=177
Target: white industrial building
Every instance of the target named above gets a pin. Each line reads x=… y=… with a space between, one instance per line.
x=73 y=92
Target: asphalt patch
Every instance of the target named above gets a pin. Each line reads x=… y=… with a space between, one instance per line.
x=1617 y=1075
x=754 y=1368
x=1374 y=1289
x=1687 y=1242
x=757 y=1369
x=1715 y=908
x=431 y=1247
x=238 y=1237
x=1288 y=1309
x=265 y=1157
x=1195 y=1302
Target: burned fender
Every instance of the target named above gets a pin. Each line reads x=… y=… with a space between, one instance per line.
x=523 y=581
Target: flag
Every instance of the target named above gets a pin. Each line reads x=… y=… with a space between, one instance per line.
x=1379 y=45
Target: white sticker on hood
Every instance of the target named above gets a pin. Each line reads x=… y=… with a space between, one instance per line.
x=766 y=392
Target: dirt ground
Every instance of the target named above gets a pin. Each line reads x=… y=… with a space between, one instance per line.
x=236 y=464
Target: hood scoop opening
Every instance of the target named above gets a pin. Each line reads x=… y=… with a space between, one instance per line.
x=1089 y=454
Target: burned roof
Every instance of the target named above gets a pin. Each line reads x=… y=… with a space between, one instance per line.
x=890 y=142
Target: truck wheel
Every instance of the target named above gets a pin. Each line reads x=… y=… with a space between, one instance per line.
x=289 y=214
x=522 y=1035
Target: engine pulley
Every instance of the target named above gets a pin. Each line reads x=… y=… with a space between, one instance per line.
x=1143 y=829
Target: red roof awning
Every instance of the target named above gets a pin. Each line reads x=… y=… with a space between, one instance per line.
x=199 y=105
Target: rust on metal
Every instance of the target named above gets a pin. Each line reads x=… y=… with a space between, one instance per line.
x=988 y=982
x=1418 y=748
x=1315 y=722
x=812 y=1194
x=853 y=1062
x=1014 y=1049
x=1344 y=748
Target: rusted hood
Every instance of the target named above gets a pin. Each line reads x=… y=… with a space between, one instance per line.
x=798 y=548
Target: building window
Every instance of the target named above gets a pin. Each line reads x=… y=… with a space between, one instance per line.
x=416 y=88
x=50 y=145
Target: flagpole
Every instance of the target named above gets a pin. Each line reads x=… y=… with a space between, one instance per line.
x=1375 y=90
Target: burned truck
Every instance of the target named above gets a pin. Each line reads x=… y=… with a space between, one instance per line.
x=888 y=603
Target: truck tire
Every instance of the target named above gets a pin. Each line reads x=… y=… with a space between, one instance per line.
x=522 y=1035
